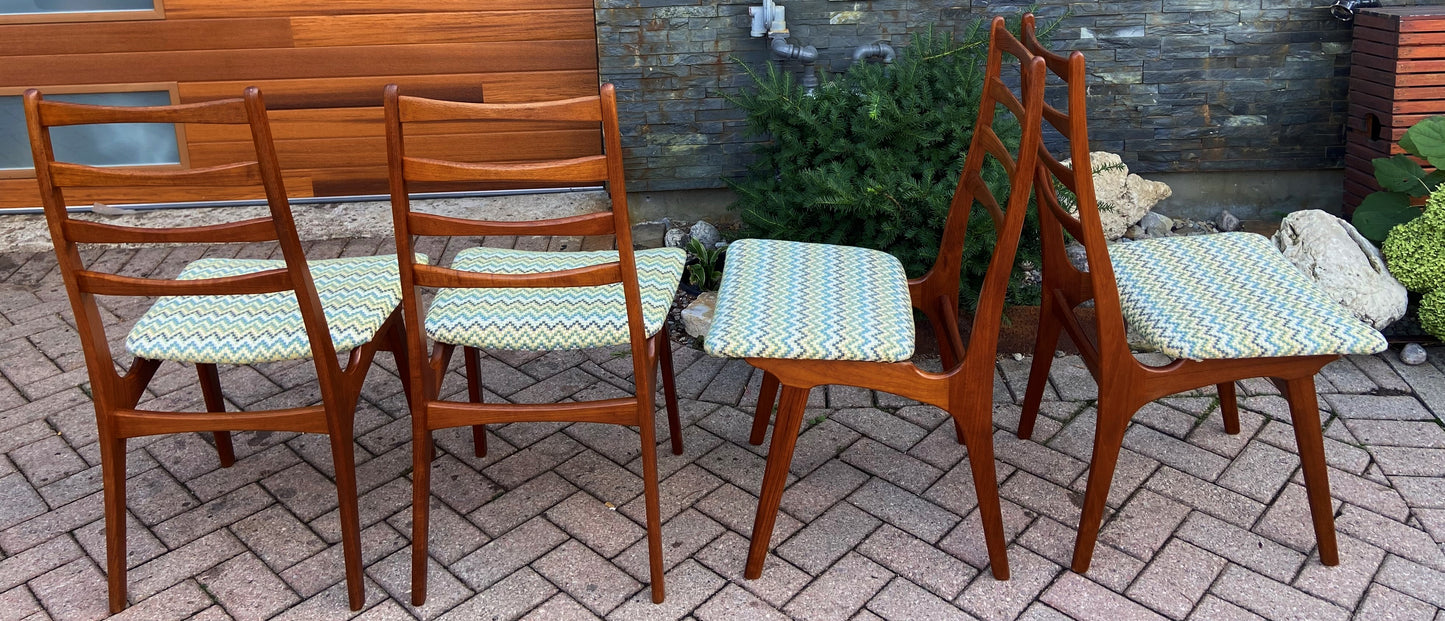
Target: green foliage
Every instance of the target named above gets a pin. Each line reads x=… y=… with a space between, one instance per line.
x=1415 y=251
x=706 y=273
x=1432 y=313
x=871 y=158
x=1402 y=179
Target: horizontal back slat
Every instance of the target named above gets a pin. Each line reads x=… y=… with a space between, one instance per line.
x=58 y=113
x=66 y=174
x=417 y=109
x=254 y=230
x=99 y=283
x=590 y=276
x=580 y=170
x=601 y=223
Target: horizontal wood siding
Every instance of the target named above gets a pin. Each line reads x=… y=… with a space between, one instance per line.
x=322 y=67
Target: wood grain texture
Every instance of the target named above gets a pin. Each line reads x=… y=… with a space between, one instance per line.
x=198 y=9
x=468 y=27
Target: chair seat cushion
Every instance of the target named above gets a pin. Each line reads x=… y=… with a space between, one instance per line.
x=1231 y=295
x=550 y=317
x=357 y=295
x=783 y=299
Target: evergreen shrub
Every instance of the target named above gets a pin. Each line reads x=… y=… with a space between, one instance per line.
x=871 y=158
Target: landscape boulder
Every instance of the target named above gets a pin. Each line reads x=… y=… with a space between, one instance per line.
x=1346 y=265
x=1123 y=198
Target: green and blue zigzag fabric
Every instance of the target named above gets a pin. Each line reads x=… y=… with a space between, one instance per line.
x=1230 y=296
x=550 y=318
x=357 y=294
x=796 y=300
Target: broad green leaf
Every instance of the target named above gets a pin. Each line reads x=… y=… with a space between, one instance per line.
x=1400 y=174
x=1382 y=211
x=1427 y=139
x=1433 y=180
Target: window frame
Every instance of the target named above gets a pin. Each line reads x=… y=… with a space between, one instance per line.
x=158 y=11
x=182 y=153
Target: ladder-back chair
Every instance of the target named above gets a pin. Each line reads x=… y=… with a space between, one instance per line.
x=491 y=298
x=218 y=311
x=855 y=326
x=1226 y=307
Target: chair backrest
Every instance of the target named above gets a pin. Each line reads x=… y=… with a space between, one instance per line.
x=67 y=233
x=606 y=168
x=1078 y=178
x=1008 y=219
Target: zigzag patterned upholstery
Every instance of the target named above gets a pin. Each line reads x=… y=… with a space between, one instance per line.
x=357 y=293
x=550 y=317
x=796 y=300
x=1230 y=296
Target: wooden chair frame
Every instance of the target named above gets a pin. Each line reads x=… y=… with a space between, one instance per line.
x=965 y=388
x=1125 y=384
x=429 y=413
x=116 y=395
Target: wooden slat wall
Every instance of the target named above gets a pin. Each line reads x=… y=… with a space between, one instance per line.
x=322 y=66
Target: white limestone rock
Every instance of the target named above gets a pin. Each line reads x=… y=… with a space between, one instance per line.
x=1123 y=198
x=1346 y=265
x=697 y=317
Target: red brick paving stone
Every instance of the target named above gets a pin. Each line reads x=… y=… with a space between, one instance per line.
x=375 y=506
x=1386 y=604
x=736 y=465
x=966 y=540
x=1054 y=541
x=1072 y=380
x=141 y=545
x=1378 y=408
x=840 y=591
x=511 y=598
x=1271 y=599
x=1043 y=461
x=590 y=579
x=813 y=494
x=1394 y=537
x=511 y=509
x=18 y=501
x=47 y=461
x=304 y=490
x=905 y=510
x=689 y=584
x=1210 y=434
x=1209 y=498
x=1164 y=418
x=1413 y=579
x=587 y=519
x=1042 y=497
x=734 y=602
x=881 y=461
x=183 y=563
x=735 y=425
x=73 y=591
x=334 y=603
x=729 y=383
x=676 y=493
x=459 y=486
x=918 y=561
x=1345 y=583
x=1081 y=598
x=828 y=538
x=1397 y=433
x=1143 y=524
x=1130 y=473
x=818 y=443
x=1426 y=462
x=507 y=553
x=1288 y=520
x=326 y=569
x=246 y=588
x=1176 y=579
x=992 y=600
x=393 y=575
x=940 y=448
x=1173 y=452
x=902 y=600
x=1259 y=471
x=882 y=426
x=780 y=581
x=682 y=537
x=736 y=509
x=560 y=608
x=1212 y=608
x=20 y=568
x=1241 y=546
x=536 y=459
x=178 y=602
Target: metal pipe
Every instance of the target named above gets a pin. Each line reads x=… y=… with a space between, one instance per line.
x=308 y=200
x=880 y=50
x=790 y=51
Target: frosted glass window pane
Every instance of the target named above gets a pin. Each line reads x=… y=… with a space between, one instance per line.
x=112 y=144
x=29 y=7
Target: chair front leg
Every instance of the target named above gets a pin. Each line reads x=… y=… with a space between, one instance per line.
x=1113 y=419
x=1229 y=407
x=775 y=476
x=1304 y=411
x=211 y=391
x=112 y=467
x=764 y=412
x=343 y=456
x=421 y=456
x=977 y=425
x=647 y=429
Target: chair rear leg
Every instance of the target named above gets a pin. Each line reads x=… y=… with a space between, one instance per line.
x=1305 y=413
x=1108 y=439
x=764 y=412
x=669 y=390
x=646 y=429
x=978 y=436
x=112 y=460
x=343 y=455
x=421 y=452
x=775 y=476
x=1229 y=407
x=211 y=392
x=474 y=393
x=1044 y=347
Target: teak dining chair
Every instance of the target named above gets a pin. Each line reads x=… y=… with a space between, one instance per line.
x=814 y=314
x=521 y=300
x=217 y=311
x=1226 y=307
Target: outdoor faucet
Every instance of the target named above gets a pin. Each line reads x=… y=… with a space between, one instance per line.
x=1344 y=10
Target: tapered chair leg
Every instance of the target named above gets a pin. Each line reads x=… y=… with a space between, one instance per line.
x=669 y=390
x=112 y=460
x=1229 y=407
x=343 y=455
x=211 y=392
x=420 y=508
x=1305 y=413
x=1044 y=347
x=646 y=429
x=1108 y=439
x=766 y=394
x=474 y=393
x=775 y=476
x=978 y=436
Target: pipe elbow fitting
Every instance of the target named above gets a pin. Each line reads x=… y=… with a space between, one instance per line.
x=880 y=50
x=789 y=51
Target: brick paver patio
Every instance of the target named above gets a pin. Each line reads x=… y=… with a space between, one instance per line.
x=879 y=523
